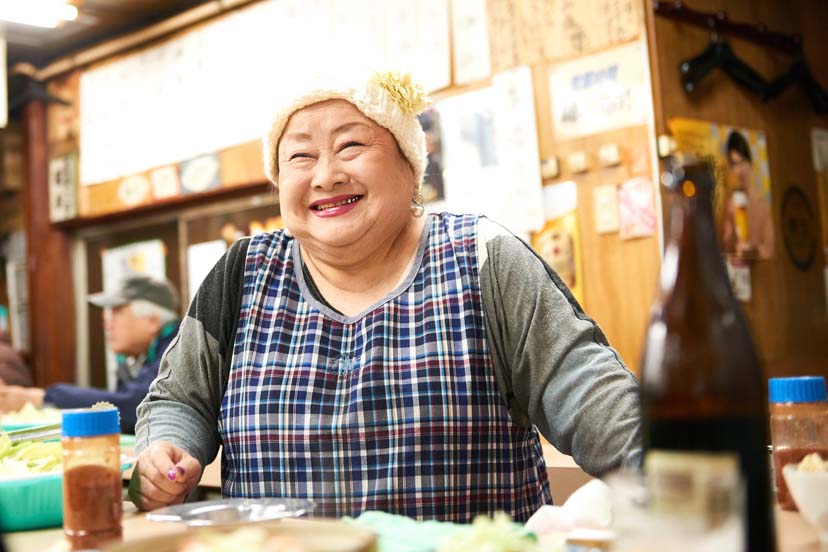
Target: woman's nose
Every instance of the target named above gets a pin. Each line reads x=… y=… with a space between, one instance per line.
x=328 y=173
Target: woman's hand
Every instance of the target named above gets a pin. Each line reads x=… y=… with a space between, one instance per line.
x=163 y=475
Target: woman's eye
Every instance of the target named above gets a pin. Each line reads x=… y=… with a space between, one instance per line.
x=350 y=144
x=298 y=155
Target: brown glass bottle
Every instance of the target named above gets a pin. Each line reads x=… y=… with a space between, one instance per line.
x=702 y=385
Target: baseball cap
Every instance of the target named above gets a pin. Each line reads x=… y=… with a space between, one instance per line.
x=138 y=286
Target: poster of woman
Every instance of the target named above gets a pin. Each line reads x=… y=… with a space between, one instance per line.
x=743 y=198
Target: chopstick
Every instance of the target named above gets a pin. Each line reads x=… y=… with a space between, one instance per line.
x=38 y=433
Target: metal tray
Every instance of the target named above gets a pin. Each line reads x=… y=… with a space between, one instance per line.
x=233 y=510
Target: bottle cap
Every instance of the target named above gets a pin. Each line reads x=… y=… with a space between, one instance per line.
x=89 y=422
x=797 y=390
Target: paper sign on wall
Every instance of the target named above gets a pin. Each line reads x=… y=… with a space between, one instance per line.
x=635 y=208
x=526 y=32
x=134 y=190
x=819 y=147
x=601 y=92
x=200 y=174
x=825 y=277
x=164 y=182
x=558 y=242
x=63 y=183
x=739 y=274
x=172 y=95
x=490 y=153
x=605 y=201
x=471 y=41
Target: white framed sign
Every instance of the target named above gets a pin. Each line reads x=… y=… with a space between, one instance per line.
x=601 y=92
x=63 y=185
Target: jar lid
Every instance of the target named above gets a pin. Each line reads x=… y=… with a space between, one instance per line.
x=89 y=422
x=797 y=390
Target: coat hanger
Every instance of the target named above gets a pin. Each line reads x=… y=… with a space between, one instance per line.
x=720 y=55
x=800 y=74
x=719 y=22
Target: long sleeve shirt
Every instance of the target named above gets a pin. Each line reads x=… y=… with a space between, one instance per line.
x=129 y=392
x=553 y=364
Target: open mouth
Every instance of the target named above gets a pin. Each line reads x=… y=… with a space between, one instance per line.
x=335 y=202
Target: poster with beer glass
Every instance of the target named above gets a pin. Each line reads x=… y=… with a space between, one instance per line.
x=743 y=196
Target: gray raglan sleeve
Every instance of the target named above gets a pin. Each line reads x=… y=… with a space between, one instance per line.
x=553 y=363
x=183 y=402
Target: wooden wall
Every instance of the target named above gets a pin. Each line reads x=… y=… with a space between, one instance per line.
x=787 y=310
x=620 y=276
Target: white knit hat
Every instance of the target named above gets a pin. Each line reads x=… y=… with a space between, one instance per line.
x=390 y=99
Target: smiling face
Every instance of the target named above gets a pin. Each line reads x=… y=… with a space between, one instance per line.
x=342 y=178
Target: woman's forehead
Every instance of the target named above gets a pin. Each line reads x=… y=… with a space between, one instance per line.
x=328 y=115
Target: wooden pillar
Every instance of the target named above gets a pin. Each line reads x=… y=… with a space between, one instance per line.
x=48 y=261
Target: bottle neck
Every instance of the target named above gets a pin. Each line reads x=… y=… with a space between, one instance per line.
x=693 y=268
x=699 y=358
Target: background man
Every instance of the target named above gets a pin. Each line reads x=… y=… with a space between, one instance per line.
x=141 y=319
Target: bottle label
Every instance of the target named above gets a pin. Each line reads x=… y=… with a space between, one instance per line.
x=705 y=488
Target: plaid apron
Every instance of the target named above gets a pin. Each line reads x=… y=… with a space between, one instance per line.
x=398 y=410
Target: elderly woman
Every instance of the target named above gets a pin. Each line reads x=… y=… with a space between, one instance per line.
x=372 y=358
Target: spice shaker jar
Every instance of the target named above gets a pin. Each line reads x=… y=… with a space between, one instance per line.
x=799 y=425
x=92 y=484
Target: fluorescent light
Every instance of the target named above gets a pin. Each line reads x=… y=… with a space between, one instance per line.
x=38 y=13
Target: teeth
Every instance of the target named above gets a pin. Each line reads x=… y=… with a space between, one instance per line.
x=338 y=203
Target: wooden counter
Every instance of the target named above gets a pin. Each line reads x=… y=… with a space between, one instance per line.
x=793 y=532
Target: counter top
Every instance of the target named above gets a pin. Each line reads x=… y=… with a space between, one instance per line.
x=794 y=534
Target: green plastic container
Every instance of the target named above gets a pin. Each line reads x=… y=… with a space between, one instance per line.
x=34 y=501
x=31 y=503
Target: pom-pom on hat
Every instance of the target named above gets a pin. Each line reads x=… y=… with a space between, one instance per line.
x=391 y=99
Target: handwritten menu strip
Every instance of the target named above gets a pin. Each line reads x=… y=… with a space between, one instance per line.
x=214 y=86
x=505 y=34
x=470 y=49
x=525 y=32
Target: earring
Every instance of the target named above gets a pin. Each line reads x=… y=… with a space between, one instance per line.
x=417 y=203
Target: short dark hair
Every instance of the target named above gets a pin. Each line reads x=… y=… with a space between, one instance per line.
x=737 y=142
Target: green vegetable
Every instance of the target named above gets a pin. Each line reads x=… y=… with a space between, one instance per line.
x=397 y=533
x=5 y=444
x=491 y=535
x=28 y=457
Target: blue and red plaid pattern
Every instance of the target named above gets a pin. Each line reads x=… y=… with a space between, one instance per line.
x=398 y=410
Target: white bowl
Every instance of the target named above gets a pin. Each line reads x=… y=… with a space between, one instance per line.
x=810 y=492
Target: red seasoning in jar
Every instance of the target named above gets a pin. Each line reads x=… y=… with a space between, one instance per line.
x=92 y=506
x=799 y=426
